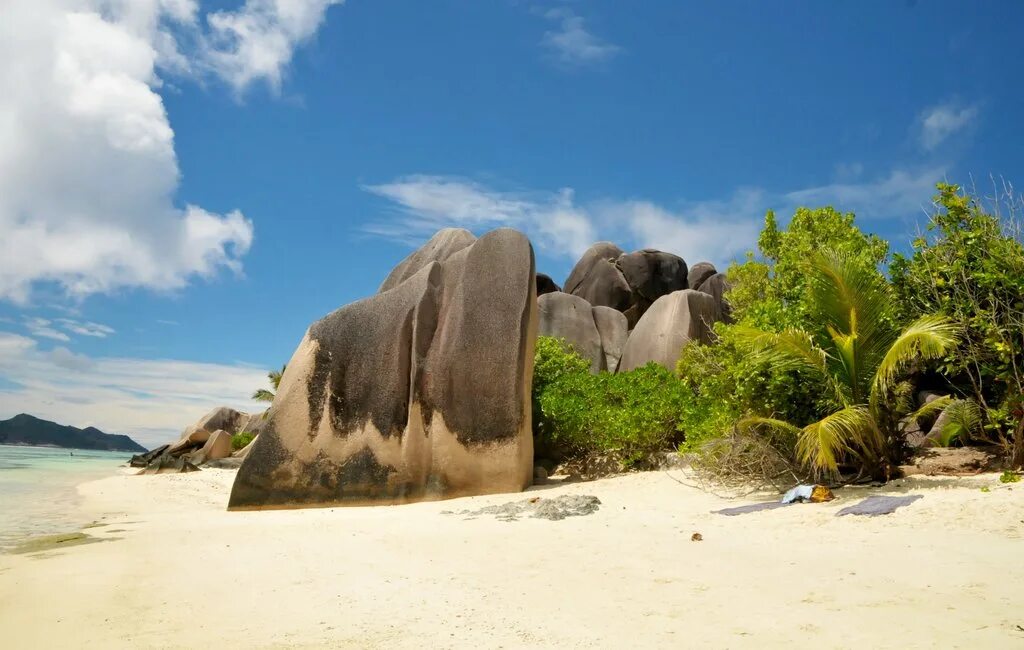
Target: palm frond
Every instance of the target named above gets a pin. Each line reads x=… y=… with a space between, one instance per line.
x=263 y=395
x=753 y=423
x=929 y=337
x=852 y=298
x=933 y=407
x=822 y=444
x=792 y=349
x=962 y=421
x=275 y=376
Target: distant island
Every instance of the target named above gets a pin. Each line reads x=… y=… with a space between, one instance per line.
x=25 y=429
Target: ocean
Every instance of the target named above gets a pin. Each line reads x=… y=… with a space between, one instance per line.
x=37 y=488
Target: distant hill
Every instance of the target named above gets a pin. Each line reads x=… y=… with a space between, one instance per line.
x=25 y=429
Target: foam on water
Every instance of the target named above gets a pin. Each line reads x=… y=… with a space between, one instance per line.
x=37 y=489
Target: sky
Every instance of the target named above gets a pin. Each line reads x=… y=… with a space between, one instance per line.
x=186 y=185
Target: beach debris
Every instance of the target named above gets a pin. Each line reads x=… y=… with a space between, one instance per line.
x=809 y=493
x=696 y=537
x=558 y=508
x=878 y=505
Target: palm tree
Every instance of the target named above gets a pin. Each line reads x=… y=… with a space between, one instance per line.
x=858 y=354
x=264 y=395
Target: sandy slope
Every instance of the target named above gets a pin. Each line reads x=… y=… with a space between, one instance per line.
x=183 y=572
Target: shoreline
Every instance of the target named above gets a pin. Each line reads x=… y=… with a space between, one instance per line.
x=169 y=566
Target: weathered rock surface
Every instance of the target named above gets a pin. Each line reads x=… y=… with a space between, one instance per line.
x=672 y=322
x=716 y=286
x=597 y=279
x=546 y=285
x=569 y=317
x=141 y=460
x=419 y=392
x=196 y=437
x=167 y=464
x=217 y=446
x=613 y=328
x=630 y=282
x=698 y=273
x=441 y=246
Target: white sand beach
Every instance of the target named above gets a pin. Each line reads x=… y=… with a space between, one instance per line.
x=176 y=570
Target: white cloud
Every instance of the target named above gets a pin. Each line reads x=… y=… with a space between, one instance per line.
x=257 y=41
x=88 y=172
x=42 y=328
x=939 y=122
x=151 y=400
x=86 y=328
x=902 y=193
x=714 y=230
x=429 y=203
x=87 y=162
x=571 y=44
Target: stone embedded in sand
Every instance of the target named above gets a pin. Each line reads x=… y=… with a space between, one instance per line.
x=419 y=392
x=671 y=323
x=441 y=246
x=568 y=317
x=141 y=460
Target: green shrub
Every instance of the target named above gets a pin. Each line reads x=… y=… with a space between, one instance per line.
x=631 y=414
x=241 y=439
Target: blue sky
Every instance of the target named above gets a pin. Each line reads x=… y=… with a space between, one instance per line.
x=185 y=186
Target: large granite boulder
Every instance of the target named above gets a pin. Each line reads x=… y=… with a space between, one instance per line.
x=650 y=275
x=419 y=392
x=716 y=286
x=569 y=317
x=441 y=246
x=630 y=282
x=613 y=328
x=671 y=323
x=597 y=279
x=698 y=273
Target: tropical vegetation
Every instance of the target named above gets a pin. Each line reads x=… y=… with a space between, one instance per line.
x=836 y=352
x=274 y=376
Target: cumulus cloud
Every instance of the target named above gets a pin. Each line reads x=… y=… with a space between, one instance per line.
x=88 y=172
x=572 y=44
x=257 y=40
x=150 y=400
x=938 y=123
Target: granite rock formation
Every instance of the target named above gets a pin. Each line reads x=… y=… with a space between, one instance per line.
x=419 y=392
x=670 y=324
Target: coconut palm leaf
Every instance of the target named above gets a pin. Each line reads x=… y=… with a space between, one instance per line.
x=791 y=349
x=963 y=420
x=263 y=395
x=932 y=408
x=275 y=377
x=821 y=444
x=929 y=337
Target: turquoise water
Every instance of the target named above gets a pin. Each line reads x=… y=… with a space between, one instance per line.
x=37 y=488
